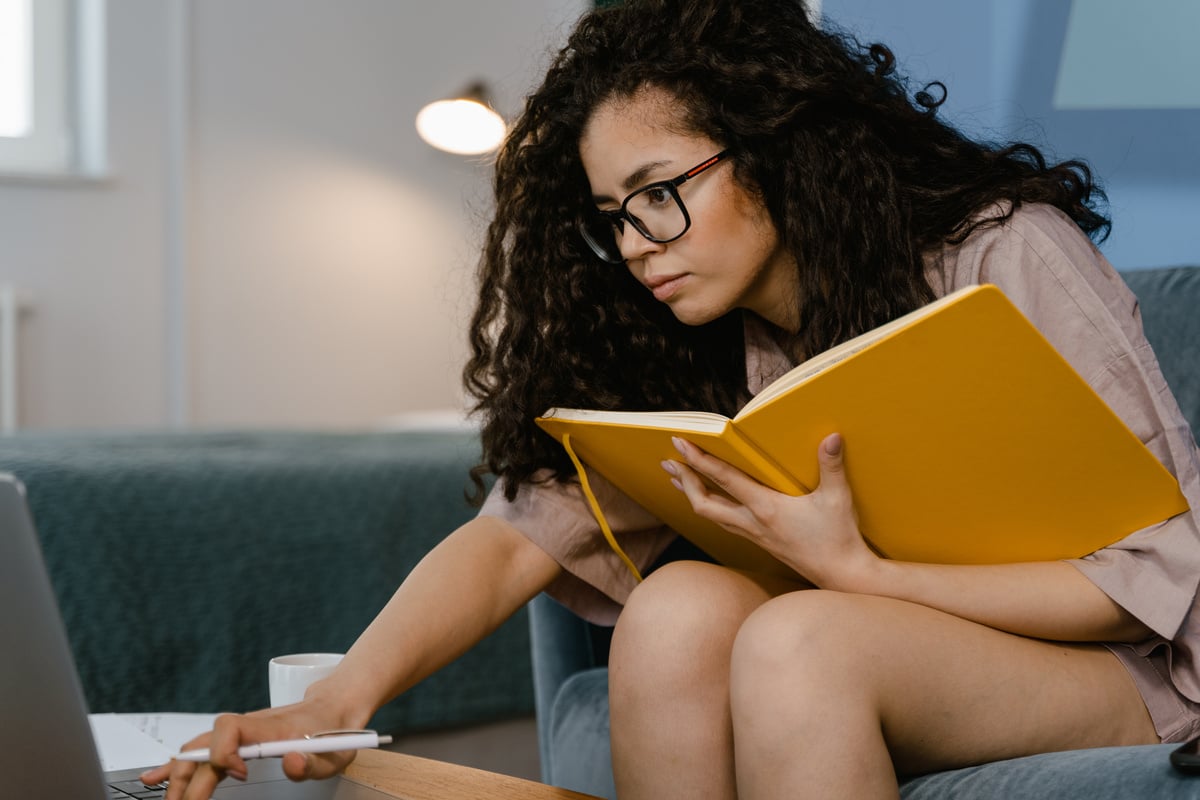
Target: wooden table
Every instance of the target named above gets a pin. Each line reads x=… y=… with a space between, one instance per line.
x=411 y=778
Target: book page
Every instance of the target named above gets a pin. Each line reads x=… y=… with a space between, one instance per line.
x=698 y=421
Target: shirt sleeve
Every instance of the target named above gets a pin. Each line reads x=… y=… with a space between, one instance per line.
x=595 y=583
x=1066 y=287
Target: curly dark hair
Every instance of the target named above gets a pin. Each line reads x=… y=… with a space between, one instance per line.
x=859 y=176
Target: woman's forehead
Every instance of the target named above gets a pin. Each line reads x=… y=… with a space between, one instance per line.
x=649 y=108
x=628 y=132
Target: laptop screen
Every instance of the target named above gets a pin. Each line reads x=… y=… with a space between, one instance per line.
x=46 y=745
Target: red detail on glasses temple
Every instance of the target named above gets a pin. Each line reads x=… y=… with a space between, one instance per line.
x=705 y=165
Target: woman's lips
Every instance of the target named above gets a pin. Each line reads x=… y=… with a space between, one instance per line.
x=664 y=288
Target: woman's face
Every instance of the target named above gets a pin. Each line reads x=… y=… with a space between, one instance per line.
x=730 y=257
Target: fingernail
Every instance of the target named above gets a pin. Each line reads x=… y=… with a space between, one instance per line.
x=680 y=445
x=833 y=444
x=671 y=467
x=675 y=482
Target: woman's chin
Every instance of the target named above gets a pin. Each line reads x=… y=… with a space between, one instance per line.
x=690 y=315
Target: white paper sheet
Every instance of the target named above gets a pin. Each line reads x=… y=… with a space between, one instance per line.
x=133 y=741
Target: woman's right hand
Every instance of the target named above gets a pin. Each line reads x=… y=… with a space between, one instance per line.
x=192 y=781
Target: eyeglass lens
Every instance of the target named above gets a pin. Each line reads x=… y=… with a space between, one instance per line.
x=656 y=213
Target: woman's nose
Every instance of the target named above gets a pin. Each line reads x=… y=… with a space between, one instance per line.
x=634 y=245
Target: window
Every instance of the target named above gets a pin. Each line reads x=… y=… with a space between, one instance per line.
x=51 y=87
x=15 y=112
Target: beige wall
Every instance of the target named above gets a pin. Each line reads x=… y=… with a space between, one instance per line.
x=274 y=247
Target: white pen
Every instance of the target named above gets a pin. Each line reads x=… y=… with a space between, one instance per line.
x=314 y=743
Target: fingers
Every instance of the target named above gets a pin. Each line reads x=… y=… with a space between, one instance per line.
x=316 y=766
x=708 y=504
x=829 y=455
x=181 y=774
x=747 y=496
x=192 y=781
x=296 y=766
x=187 y=780
x=833 y=487
x=156 y=774
x=729 y=512
x=228 y=733
x=733 y=481
x=815 y=534
x=736 y=482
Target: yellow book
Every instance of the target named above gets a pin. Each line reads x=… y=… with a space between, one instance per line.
x=968 y=440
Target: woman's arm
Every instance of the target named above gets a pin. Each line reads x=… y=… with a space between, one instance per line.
x=1046 y=600
x=461 y=591
x=817 y=535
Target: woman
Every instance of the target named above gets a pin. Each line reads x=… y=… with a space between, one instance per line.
x=701 y=194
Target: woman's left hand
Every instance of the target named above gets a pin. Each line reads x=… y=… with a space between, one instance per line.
x=815 y=534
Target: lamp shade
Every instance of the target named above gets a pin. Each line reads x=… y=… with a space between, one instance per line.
x=466 y=124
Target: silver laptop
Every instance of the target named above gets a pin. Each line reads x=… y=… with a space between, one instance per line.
x=46 y=744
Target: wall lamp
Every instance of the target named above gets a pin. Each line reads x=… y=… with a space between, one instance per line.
x=466 y=124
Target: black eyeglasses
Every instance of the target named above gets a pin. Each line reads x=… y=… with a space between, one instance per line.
x=655 y=211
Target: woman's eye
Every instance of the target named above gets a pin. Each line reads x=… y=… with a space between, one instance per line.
x=658 y=195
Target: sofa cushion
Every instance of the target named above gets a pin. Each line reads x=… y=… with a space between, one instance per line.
x=1170 y=303
x=1106 y=773
x=580 y=757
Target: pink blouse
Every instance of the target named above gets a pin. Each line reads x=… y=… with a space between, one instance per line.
x=1063 y=284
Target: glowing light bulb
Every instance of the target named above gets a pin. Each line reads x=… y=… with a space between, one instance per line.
x=462 y=126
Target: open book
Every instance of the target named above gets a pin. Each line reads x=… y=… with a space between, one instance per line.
x=968 y=439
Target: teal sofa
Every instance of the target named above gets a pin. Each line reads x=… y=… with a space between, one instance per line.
x=571 y=678
x=183 y=562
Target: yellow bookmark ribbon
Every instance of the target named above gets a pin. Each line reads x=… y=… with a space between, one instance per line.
x=596 y=512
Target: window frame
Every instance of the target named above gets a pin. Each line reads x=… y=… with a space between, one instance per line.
x=66 y=138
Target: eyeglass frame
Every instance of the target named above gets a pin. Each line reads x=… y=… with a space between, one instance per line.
x=618 y=217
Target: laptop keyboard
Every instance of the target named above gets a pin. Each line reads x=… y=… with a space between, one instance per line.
x=123 y=790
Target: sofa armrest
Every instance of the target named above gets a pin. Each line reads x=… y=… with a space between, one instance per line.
x=562 y=644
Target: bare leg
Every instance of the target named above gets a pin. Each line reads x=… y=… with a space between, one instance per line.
x=833 y=693
x=669 y=681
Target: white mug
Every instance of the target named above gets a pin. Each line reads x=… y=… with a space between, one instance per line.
x=289 y=676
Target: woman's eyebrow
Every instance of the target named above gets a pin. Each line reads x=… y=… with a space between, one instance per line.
x=639 y=175
x=634 y=180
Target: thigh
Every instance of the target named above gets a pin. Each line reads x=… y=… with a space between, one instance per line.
x=949 y=692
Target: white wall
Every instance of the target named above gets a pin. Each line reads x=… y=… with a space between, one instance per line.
x=275 y=246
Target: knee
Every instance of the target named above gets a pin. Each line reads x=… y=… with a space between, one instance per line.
x=798 y=636
x=683 y=614
x=670 y=607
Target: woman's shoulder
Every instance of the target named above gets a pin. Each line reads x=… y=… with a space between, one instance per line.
x=1046 y=230
x=1021 y=248
x=1049 y=268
